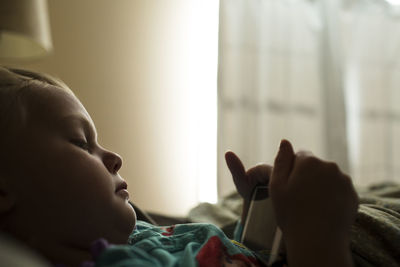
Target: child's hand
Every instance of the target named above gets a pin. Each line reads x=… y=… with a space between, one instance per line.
x=245 y=182
x=315 y=204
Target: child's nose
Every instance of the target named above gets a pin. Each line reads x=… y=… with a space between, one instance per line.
x=112 y=161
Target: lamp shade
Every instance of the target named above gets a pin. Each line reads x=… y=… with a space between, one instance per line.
x=24 y=29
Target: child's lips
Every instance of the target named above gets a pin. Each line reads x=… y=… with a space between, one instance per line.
x=123 y=193
x=122 y=190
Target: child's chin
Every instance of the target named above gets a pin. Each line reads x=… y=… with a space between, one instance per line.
x=130 y=219
x=125 y=229
x=123 y=219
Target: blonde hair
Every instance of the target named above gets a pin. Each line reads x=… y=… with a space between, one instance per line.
x=15 y=84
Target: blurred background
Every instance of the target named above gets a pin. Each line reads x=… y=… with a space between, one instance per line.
x=171 y=85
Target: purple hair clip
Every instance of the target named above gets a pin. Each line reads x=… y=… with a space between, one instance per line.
x=98 y=246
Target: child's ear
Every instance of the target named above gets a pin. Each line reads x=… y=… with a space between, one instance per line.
x=7 y=198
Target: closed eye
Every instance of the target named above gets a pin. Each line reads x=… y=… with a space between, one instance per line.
x=81 y=144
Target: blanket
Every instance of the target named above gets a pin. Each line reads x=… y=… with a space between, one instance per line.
x=375 y=238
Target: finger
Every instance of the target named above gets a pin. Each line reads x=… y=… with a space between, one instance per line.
x=283 y=163
x=235 y=165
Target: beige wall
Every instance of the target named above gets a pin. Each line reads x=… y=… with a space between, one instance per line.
x=124 y=61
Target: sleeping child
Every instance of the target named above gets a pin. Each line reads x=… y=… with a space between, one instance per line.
x=62 y=196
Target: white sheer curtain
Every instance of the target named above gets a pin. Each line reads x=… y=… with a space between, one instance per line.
x=320 y=73
x=371 y=41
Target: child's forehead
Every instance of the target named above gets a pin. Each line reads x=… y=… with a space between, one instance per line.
x=53 y=102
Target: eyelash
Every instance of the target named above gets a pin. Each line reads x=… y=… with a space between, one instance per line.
x=81 y=144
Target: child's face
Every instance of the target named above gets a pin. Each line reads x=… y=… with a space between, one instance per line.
x=66 y=185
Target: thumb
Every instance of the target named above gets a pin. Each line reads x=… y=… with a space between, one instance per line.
x=235 y=165
x=283 y=164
